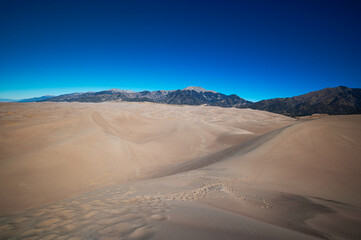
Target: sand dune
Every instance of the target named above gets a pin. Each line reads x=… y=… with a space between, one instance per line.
x=176 y=172
x=54 y=150
x=319 y=158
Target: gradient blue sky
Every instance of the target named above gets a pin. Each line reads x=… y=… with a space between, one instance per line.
x=255 y=49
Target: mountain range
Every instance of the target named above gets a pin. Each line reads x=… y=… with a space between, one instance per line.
x=187 y=96
x=334 y=101
x=36 y=99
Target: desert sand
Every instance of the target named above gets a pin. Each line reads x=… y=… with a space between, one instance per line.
x=153 y=171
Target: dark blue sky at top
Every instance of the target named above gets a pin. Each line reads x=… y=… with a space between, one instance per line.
x=255 y=49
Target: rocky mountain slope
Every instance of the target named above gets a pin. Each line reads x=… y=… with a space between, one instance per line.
x=338 y=100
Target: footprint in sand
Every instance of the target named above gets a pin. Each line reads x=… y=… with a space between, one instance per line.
x=142 y=233
x=158 y=217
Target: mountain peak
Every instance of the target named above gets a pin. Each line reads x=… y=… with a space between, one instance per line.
x=197 y=89
x=120 y=90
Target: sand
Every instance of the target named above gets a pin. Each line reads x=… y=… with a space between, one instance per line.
x=153 y=171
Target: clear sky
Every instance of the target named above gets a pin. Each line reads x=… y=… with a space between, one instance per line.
x=255 y=49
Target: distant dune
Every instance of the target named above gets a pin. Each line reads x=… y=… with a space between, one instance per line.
x=176 y=172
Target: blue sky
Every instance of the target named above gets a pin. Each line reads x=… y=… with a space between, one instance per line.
x=255 y=49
